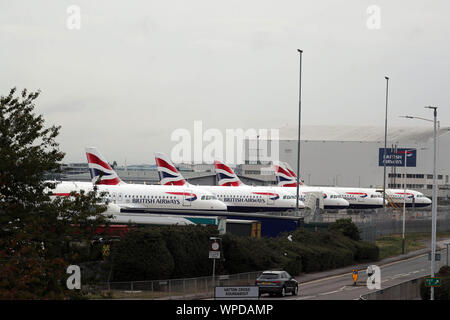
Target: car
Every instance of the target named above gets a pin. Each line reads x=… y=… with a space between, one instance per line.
x=276 y=282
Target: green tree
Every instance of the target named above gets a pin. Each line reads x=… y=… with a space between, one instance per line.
x=346 y=227
x=37 y=233
x=141 y=255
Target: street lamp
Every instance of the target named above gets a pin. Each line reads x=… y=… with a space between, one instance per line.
x=436 y=126
x=406 y=151
x=447 y=243
x=299 y=126
x=385 y=146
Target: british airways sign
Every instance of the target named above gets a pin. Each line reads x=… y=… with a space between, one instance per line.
x=396 y=157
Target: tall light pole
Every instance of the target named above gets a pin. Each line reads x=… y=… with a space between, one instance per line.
x=436 y=127
x=406 y=151
x=299 y=126
x=385 y=145
x=434 y=204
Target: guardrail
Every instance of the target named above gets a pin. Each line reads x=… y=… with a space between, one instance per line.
x=408 y=290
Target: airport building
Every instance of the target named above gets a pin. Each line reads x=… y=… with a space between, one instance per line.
x=353 y=156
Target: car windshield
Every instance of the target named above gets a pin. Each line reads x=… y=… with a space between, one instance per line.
x=269 y=276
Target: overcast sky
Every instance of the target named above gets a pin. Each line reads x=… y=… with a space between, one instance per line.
x=137 y=70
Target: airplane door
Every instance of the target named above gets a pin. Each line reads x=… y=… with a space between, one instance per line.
x=187 y=198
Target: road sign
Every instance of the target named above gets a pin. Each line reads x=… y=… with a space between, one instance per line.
x=215 y=246
x=437 y=256
x=432 y=282
x=214 y=254
x=236 y=293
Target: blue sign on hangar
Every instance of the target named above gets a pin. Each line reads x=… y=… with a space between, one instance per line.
x=395 y=157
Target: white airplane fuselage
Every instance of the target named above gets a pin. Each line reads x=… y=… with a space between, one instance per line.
x=253 y=199
x=139 y=196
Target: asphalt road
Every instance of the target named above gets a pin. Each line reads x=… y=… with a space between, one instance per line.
x=340 y=287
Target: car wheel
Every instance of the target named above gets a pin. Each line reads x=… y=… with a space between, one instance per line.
x=295 y=291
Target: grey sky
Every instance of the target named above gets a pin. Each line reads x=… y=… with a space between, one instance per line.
x=137 y=70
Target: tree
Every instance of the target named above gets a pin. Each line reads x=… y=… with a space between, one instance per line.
x=142 y=255
x=346 y=227
x=36 y=233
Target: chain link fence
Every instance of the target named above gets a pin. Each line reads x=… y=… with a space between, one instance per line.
x=375 y=223
x=189 y=288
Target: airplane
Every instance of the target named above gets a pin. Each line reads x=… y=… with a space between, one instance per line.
x=358 y=198
x=138 y=198
x=227 y=177
x=243 y=199
x=411 y=198
x=395 y=196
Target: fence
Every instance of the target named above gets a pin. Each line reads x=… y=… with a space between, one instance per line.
x=190 y=288
x=375 y=223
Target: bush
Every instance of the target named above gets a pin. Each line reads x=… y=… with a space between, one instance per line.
x=346 y=227
x=367 y=251
x=244 y=254
x=189 y=247
x=141 y=255
x=182 y=252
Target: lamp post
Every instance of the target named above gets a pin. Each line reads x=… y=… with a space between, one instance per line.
x=299 y=126
x=447 y=243
x=385 y=145
x=436 y=127
x=406 y=151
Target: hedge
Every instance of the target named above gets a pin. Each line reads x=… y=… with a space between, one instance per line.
x=182 y=252
x=442 y=292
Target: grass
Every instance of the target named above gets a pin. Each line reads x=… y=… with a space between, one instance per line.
x=391 y=245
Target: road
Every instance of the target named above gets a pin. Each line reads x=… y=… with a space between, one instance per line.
x=340 y=287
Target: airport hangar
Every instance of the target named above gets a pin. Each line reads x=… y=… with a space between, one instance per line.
x=351 y=156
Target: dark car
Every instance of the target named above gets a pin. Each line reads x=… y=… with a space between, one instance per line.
x=276 y=282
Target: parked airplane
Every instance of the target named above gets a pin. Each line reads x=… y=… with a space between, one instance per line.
x=411 y=198
x=358 y=198
x=244 y=199
x=138 y=197
x=227 y=177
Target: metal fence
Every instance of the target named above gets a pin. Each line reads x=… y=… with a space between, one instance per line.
x=189 y=288
x=375 y=223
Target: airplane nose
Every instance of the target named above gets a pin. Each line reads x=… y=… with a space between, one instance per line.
x=344 y=203
x=219 y=205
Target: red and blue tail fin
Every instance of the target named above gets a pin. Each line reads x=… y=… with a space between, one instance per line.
x=226 y=176
x=168 y=174
x=101 y=172
x=286 y=177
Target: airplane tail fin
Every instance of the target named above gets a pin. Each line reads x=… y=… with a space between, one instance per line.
x=101 y=172
x=168 y=174
x=286 y=177
x=226 y=176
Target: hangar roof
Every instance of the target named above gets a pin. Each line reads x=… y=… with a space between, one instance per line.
x=360 y=133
